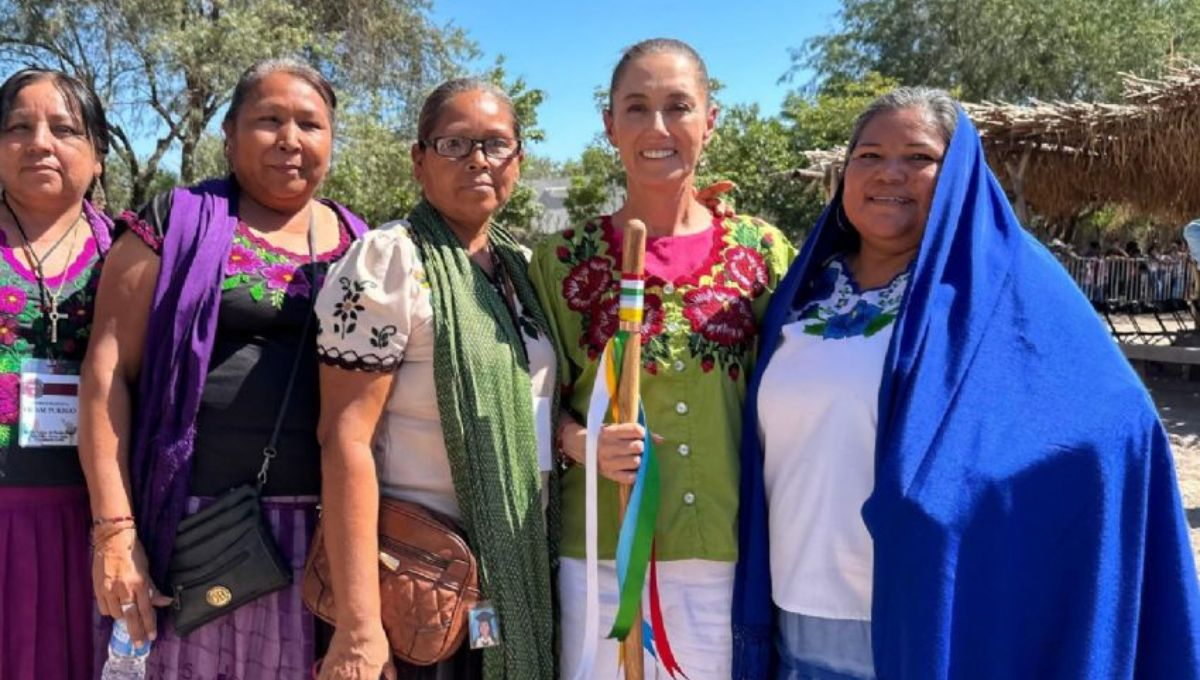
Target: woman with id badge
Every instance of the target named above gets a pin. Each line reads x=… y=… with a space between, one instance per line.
x=53 y=139
x=437 y=392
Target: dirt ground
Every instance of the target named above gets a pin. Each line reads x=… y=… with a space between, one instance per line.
x=1178 y=403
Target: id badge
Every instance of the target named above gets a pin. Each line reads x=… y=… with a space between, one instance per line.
x=49 y=403
x=485 y=625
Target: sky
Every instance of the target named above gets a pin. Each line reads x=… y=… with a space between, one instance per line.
x=568 y=49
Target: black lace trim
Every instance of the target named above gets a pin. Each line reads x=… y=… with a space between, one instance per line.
x=353 y=361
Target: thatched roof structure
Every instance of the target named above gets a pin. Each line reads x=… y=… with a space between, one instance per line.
x=1060 y=159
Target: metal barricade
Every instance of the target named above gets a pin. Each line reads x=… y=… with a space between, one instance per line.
x=1149 y=299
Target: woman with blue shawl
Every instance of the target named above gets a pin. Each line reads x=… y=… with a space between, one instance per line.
x=934 y=488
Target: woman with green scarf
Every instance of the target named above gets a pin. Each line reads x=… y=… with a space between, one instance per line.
x=437 y=387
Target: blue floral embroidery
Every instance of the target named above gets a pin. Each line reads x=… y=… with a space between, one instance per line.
x=852 y=323
x=822 y=288
x=834 y=308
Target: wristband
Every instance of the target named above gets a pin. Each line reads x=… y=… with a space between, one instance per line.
x=100 y=521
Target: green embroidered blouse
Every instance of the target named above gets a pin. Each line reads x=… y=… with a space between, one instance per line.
x=699 y=334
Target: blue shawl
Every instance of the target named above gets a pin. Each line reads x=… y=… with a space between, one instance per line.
x=179 y=341
x=1025 y=515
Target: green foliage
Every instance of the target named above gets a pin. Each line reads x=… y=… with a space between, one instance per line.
x=521 y=211
x=209 y=158
x=372 y=169
x=595 y=179
x=539 y=167
x=167 y=67
x=824 y=120
x=118 y=194
x=757 y=153
x=525 y=100
x=1005 y=49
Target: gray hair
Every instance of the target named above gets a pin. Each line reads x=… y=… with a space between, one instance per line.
x=655 y=46
x=939 y=107
x=436 y=101
x=259 y=70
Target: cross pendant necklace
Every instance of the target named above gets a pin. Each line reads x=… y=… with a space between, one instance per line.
x=54 y=317
x=48 y=297
x=51 y=309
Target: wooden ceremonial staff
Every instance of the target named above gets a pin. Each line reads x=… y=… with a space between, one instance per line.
x=633 y=262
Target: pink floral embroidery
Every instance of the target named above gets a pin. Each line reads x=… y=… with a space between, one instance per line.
x=586 y=283
x=143 y=229
x=604 y=322
x=12 y=300
x=720 y=314
x=8 y=330
x=288 y=278
x=10 y=399
x=242 y=260
x=745 y=267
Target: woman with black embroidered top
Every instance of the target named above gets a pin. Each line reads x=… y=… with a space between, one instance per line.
x=438 y=389
x=53 y=139
x=200 y=328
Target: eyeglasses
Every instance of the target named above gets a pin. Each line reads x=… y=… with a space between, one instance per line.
x=500 y=148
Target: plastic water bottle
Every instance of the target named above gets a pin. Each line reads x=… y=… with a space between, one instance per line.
x=126 y=661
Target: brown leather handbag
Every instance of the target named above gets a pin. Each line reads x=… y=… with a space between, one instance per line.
x=428 y=581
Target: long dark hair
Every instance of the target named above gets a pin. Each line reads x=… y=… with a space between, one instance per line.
x=81 y=101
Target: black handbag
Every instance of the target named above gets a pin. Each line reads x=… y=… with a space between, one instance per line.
x=225 y=555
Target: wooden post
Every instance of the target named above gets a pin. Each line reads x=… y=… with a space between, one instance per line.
x=1016 y=175
x=633 y=262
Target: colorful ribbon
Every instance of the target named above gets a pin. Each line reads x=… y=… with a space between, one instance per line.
x=630 y=307
x=635 y=543
x=636 y=539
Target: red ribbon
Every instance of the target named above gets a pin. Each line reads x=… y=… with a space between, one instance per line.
x=661 y=643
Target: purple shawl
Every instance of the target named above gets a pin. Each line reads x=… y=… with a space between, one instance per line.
x=178 y=345
x=101 y=226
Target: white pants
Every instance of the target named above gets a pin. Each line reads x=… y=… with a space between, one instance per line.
x=696 y=597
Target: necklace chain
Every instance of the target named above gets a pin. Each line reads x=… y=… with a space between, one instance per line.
x=49 y=298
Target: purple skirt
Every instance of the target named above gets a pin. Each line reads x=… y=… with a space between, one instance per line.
x=272 y=637
x=46 y=605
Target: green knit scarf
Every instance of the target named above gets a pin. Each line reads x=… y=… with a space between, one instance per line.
x=484 y=400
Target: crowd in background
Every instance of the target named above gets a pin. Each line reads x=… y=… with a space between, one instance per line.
x=1110 y=272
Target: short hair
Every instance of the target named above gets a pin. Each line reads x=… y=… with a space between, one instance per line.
x=655 y=46
x=252 y=76
x=431 y=109
x=939 y=107
x=81 y=101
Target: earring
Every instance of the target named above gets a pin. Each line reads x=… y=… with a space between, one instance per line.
x=837 y=217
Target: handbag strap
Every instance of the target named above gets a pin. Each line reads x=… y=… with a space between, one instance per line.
x=269 y=452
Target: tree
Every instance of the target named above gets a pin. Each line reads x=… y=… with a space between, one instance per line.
x=596 y=180
x=824 y=119
x=540 y=167
x=521 y=212
x=1004 y=49
x=167 y=66
x=372 y=168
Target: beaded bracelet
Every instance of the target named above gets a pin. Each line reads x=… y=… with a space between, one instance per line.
x=100 y=521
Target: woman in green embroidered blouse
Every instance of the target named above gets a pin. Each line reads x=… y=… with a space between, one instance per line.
x=707 y=284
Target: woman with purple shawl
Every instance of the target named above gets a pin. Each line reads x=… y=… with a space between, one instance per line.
x=53 y=139
x=199 y=320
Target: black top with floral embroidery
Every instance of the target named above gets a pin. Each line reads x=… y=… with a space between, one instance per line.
x=265 y=297
x=25 y=334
